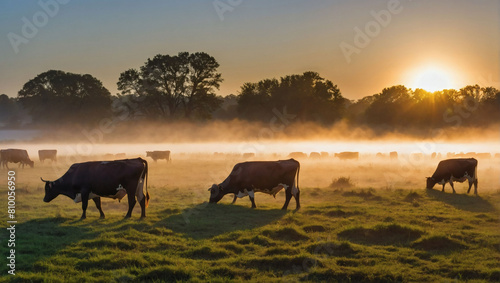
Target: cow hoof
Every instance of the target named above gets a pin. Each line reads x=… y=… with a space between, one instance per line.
x=102 y=217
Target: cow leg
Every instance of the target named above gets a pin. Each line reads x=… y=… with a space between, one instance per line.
x=475 y=187
x=234 y=199
x=297 y=199
x=451 y=183
x=131 y=204
x=142 y=203
x=443 y=187
x=288 y=195
x=85 y=203
x=252 y=198
x=97 y=201
x=470 y=185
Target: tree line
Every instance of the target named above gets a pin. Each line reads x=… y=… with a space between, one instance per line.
x=183 y=87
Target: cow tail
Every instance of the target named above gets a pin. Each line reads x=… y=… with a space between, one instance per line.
x=298 y=171
x=146 y=182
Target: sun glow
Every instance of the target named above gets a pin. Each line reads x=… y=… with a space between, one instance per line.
x=432 y=79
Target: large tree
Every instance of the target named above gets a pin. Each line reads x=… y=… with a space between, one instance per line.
x=175 y=86
x=60 y=97
x=308 y=96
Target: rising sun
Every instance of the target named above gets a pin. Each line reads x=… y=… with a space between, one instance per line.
x=432 y=79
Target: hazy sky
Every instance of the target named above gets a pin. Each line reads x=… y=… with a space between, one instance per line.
x=362 y=46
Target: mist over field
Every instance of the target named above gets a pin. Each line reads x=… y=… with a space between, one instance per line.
x=249 y=141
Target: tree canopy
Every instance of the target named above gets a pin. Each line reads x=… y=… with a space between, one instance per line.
x=183 y=87
x=59 y=97
x=172 y=87
x=309 y=96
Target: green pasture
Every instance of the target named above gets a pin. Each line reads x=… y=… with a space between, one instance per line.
x=348 y=232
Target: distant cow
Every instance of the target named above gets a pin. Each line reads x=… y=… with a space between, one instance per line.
x=159 y=154
x=47 y=154
x=268 y=177
x=450 y=170
x=96 y=179
x=15 y=156
x=347 y=155
x=393 y=155
x=315 y=155
x=297 y=154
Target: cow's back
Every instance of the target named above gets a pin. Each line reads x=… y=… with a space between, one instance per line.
x=455 y=167
x=262 y=173
x=103 y=173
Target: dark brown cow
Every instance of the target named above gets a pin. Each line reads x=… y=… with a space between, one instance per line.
x=459 y=170
x=159 y=154
x=268 y=177
x=47 y=154
x=15 y=156
x=96 y=179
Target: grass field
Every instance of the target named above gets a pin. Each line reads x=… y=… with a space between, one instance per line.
x=377 y=223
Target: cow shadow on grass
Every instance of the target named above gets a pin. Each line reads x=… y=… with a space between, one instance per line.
x=467 y=202
x=42 y=238
x=207 y=220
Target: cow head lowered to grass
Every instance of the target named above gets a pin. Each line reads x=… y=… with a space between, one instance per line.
x=454 y=170
x=268 y=177
x=96 y=179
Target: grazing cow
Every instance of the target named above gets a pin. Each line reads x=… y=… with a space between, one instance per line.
x=15 y=156
x=450 y=170
x=347 y=155
x=96 y=179
x=47 y=154
x=260 y=176
x=159 y=154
